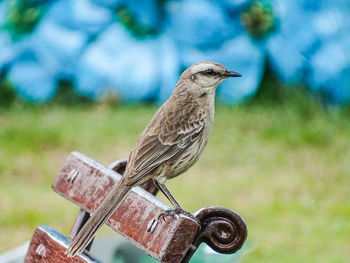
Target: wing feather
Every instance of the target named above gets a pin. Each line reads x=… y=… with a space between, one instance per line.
x=168 y=135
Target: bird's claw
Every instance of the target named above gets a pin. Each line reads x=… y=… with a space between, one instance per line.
x=176 y=212
x=170 y=212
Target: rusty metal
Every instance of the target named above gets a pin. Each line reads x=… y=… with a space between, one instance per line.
x=119 y=166
x=221 y=229
x=150 y=187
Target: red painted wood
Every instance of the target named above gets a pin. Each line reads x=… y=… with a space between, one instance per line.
x=49 y=246
x=86 y=182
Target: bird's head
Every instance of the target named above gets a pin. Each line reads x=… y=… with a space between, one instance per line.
x=206 y=76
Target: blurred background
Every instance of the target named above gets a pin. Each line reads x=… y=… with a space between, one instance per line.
x=88 y=75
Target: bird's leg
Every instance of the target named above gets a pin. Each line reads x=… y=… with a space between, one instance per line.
x=177 y=208
x=168 y=195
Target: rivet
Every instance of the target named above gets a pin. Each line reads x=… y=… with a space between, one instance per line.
x=41 y=250
x=152 y=225
x=72 y=175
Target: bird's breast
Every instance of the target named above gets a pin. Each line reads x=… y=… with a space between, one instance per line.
x=190 y=156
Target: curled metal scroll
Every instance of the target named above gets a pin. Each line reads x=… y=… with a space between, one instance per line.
x=221 y=229
x=120 y=166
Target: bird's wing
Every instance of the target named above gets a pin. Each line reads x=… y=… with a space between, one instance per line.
x=170 y=133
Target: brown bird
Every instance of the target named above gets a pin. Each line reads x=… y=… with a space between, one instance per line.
x=170 y=144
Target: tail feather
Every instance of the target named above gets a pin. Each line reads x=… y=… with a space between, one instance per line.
x=96 y=221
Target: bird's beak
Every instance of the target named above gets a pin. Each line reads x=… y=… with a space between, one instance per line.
x=232 y=74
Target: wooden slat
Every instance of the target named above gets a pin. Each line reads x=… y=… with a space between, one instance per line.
x=48 y=245
x=86 y=182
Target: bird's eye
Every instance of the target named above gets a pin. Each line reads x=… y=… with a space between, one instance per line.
x=209 y=71
x=203 y=95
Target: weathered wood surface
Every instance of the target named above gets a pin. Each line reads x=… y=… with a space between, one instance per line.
x=49 y=246
x=86 y=182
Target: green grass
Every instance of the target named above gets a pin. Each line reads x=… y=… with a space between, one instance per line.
x=283 y=166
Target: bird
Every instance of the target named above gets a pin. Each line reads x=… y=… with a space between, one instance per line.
x=169 y=145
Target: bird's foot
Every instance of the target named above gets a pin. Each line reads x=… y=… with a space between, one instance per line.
x=176 y=212
x=171 y=212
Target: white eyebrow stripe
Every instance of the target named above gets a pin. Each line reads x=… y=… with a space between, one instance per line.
x=201 y=67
